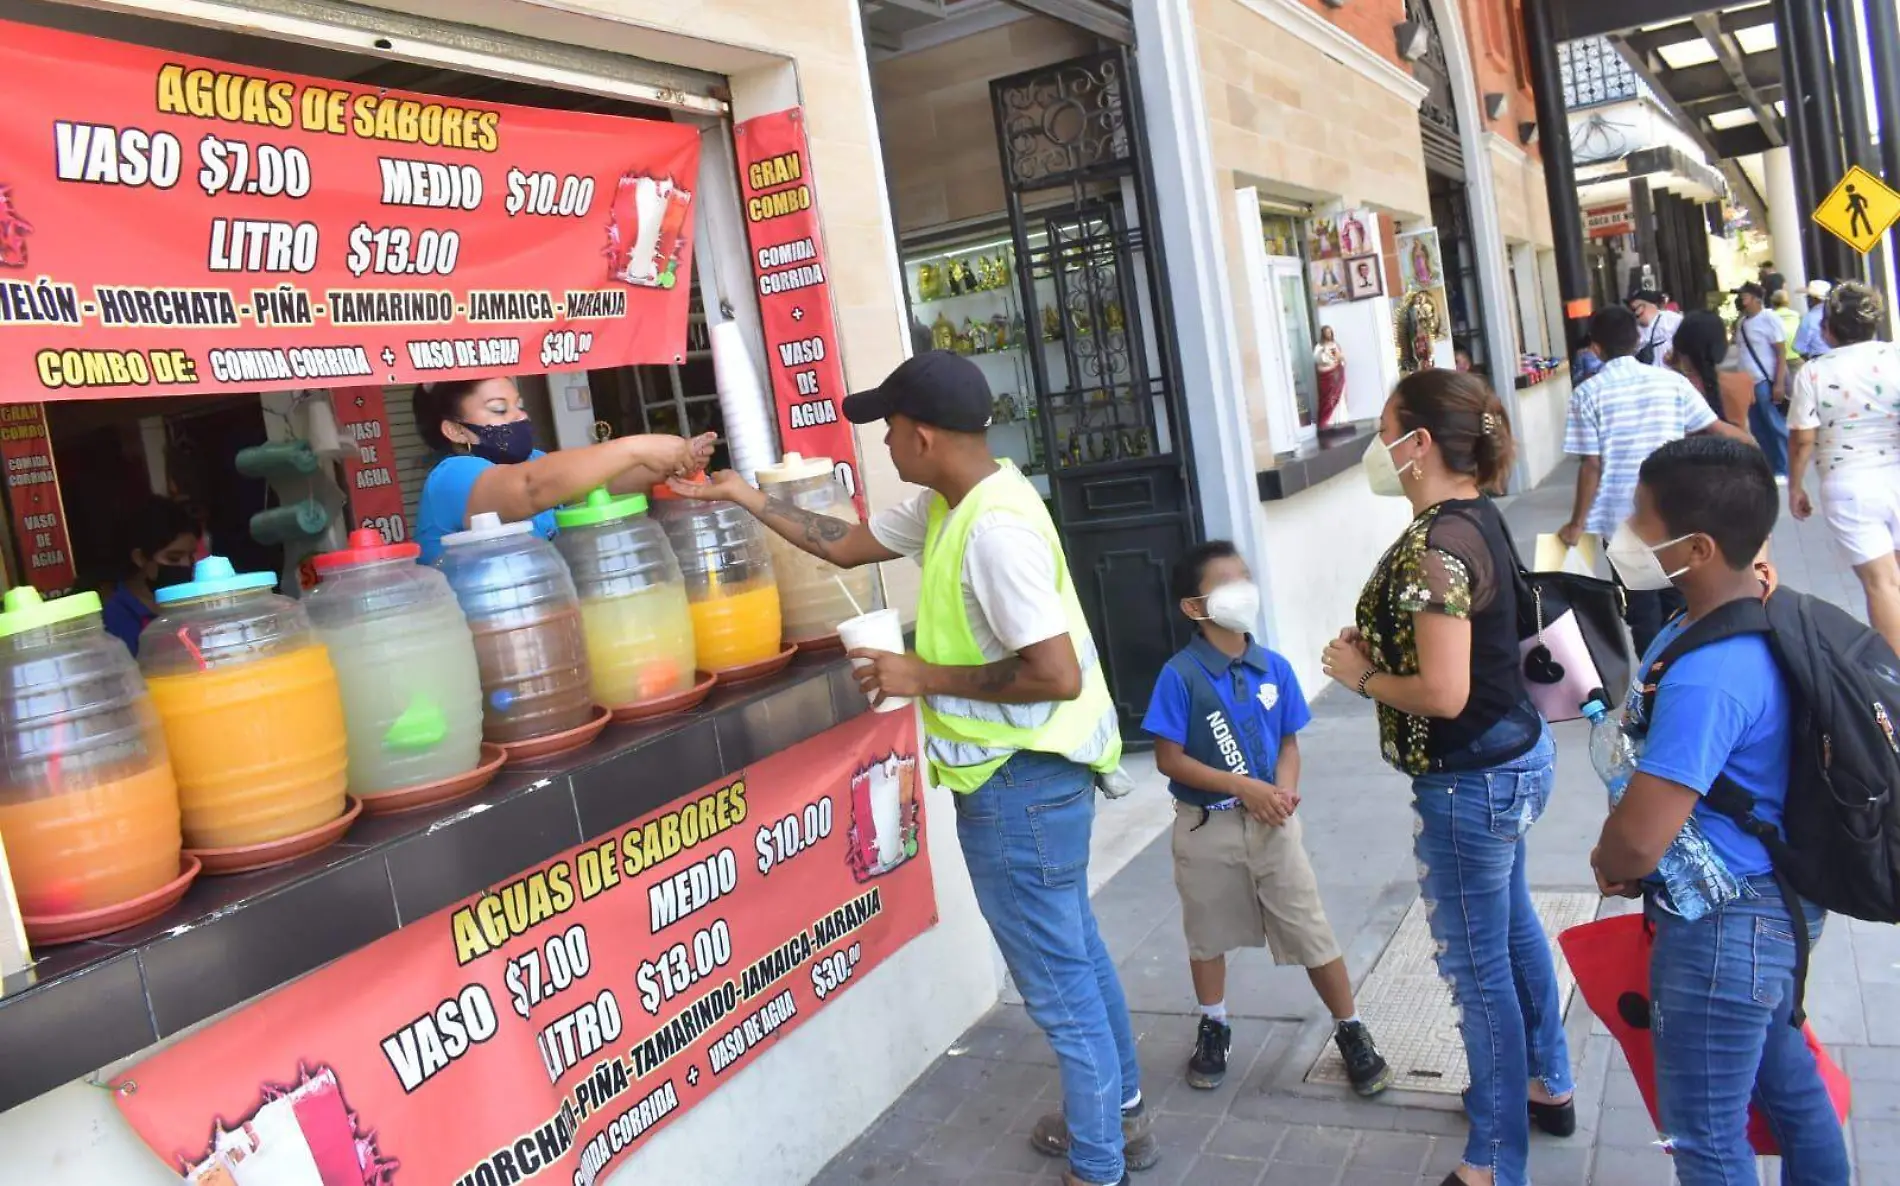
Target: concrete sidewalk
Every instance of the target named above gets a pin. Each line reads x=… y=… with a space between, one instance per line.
x=966 y=1119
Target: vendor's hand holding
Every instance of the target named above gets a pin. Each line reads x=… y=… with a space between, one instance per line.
x=724 y=486
x=886 y=673
x=695 y=452
x=1346 y=662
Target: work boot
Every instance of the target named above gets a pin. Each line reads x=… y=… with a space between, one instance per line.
x=1207 y=1066
x=1139 y=1148
x=1368 y=1073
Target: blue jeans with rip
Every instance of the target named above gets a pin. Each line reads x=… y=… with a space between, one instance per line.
x=1770 y=427
x=1025 y=838
x=1721 y=991
x=1492 y=948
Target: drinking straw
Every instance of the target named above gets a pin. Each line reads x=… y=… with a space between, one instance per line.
x=845 y=589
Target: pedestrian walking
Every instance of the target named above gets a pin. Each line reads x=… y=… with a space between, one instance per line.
x=1808 y=342
x=1017 y=718
x=1657 y=324
x=1226 y=715
x=1723 y=986
x=1616 y=420
x=1435 y=645
x=1846 y=413
x=1759 y=335
x=1696 y=353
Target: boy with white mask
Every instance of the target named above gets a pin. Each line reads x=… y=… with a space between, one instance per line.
x=1225 y=715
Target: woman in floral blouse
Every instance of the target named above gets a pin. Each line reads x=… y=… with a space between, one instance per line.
x=1435 y=645
x=1846 y=411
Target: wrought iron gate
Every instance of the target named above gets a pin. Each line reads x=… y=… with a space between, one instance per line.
x=1104 y=368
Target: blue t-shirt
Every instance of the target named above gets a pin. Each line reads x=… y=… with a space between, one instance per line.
x=1723 y=709
x=1258 y=693
x=443 y=508
x=126 y=617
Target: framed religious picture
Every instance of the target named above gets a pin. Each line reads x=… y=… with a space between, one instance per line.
x=1363 y=277
x=1353 y=237
x=1328 y=281
x=1419 y=260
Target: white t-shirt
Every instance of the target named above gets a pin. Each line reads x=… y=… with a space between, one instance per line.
x=1761 y=339
x=1852 y=396
x=1660 y=333
x=1009 y=573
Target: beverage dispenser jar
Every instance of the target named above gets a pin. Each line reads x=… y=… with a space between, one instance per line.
x=252 y=713
x=88 y=807
x=522 y=608
x=412 y=696
x=633 y=600
x=729 y=585
x=810 y=591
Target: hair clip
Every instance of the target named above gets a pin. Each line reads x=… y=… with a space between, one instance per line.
x=1487 y=424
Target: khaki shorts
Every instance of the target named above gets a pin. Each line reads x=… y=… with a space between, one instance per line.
x=1247 y=884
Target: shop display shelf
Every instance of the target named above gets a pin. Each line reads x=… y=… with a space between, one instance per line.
x=85 y=1005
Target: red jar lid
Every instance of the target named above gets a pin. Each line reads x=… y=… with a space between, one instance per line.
x=366 y=547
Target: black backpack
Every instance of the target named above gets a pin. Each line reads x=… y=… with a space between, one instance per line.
x=1841 y=819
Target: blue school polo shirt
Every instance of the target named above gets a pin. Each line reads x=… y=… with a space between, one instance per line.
x=1230 y=714
x=442 y=508
x=1722 y=709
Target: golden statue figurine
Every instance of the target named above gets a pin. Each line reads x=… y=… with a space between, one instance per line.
x=943 y=335
x=929 y=282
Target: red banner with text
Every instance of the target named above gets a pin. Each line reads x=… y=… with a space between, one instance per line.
x=788 y=266
x=172 y=224
x=39 y=516
x=369 y=473
x=547 y=1027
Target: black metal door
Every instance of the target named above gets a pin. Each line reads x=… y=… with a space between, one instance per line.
x=1104 y=369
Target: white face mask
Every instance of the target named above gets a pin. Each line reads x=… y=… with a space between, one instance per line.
x=1382 y=473
x=1234 y=606
x=1636 y=563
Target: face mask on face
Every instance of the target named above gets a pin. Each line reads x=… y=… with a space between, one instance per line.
x=1382 y=473
x=1234 y=606
x=1636 y=563
x=169 y=575
x=503 y=444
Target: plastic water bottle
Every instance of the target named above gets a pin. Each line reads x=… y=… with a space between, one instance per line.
x=1690 y=870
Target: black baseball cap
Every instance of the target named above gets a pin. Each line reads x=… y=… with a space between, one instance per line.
x=936 y=387
x=1647 y=295
x=1752 y=289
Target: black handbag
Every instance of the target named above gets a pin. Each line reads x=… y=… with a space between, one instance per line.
x=1597 y=606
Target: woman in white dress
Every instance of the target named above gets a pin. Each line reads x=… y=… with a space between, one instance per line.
x=1846 y=412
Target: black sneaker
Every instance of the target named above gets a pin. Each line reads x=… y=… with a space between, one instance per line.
x=1208 y=1064
x=1368 y=1073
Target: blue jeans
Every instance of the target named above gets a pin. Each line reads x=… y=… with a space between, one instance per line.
x=1025 y=838
x=1721 y=990
x=1770 y=427
x=1492 y=949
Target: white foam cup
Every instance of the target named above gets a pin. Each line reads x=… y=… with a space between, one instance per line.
x=879 y=630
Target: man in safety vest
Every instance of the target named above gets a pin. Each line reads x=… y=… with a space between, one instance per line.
x=1017 y=719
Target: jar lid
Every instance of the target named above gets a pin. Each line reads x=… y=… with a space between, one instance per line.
x=25 y=611
x=214 y=575
x=794 y=467
x=600 y=506
x=366 y=547
x=487 y=525
x=661 y=492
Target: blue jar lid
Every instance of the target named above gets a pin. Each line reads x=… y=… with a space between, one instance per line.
x=211 y=576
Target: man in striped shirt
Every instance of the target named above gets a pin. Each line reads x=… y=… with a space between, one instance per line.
x=1618 y=418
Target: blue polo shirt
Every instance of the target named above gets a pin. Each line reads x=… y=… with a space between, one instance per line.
x=1226 y=713
x=442 y=508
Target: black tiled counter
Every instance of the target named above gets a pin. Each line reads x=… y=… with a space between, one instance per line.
x=87 y=1004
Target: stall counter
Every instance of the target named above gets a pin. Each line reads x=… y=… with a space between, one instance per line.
x=87 y=1009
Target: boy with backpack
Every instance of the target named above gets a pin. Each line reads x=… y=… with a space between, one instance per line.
x=1718 y=718
x=1224 y=716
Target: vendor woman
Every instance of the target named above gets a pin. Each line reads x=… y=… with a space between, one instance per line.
x=157 y=546
x=490 y=463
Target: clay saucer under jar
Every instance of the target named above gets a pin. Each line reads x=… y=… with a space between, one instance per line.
x=660 y=706
x=48 y=930
x=748 y=672
x=442 y=790
x=557 y=743
x=824 y=642
x=248 y=858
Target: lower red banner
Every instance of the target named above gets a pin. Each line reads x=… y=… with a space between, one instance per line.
x=548 y=1026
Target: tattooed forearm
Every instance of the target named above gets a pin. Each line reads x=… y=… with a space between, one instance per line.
x=813 y=532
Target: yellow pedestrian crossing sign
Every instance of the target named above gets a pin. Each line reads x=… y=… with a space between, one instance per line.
x=1860 y=209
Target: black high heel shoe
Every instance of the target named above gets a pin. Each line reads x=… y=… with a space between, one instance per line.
x=1559 y=1120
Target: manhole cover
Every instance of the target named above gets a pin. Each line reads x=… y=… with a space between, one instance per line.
x=1409 y=1010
